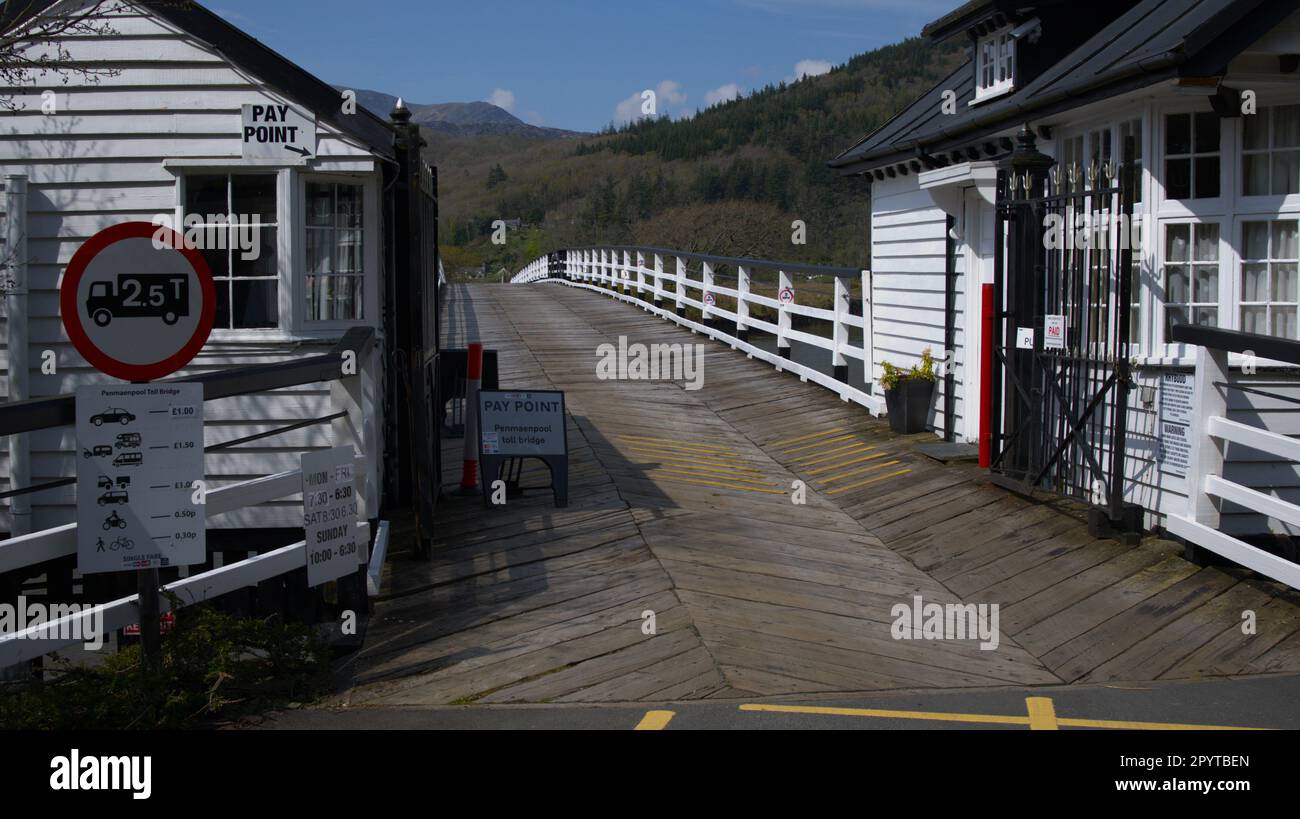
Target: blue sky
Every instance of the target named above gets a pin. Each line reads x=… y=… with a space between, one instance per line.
x=573 y=63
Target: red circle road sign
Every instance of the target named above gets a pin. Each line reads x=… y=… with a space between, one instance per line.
x=137 y=302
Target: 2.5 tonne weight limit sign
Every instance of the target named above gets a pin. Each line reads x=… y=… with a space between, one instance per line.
x=136 y=302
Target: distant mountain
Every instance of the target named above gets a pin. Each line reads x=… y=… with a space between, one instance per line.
x=463 y=118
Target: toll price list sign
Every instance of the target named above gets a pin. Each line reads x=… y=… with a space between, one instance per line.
x=329 y=508
x=139 y=468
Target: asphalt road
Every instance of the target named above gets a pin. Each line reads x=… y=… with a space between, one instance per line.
x=1268 y=702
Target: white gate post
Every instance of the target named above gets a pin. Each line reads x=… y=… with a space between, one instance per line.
x=742 y=303
x=707 y=311
x=625 y=273
x=840 y=331
x=13 y=266
x=868 y=335
x=783 y=315
x=681 y=286
x=659 y=284
x=640 y=276
x=1207 y=451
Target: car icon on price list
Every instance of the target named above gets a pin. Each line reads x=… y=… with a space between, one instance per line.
x=112 y=415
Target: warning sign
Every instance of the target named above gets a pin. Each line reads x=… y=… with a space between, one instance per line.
x=1176 y=410
x=1054 y=332
x=277 y=132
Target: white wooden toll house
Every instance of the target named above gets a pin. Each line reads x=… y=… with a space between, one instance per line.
x=157 y=131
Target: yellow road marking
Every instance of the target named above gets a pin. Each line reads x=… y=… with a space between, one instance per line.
x=813 y=446
x=680 y=450
x=1039 y=713
x=696 y=459
x=843 y=464
x=723 y=450
x=696 y=462
x=726 y=486
x=868 y=483
x=802 y=438
x=724 y=476
x=707 y=470
x=1042 y=714
x=854 y=473
x=831 y=455
x=655 y=720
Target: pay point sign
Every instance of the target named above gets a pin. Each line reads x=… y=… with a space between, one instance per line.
x=136 y=302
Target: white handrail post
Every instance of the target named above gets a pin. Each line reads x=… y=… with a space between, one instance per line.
x=355 y=396
x=681 y=286
x=742 y=303
x=840 y=331
x=868 y=335
x=659 y=284
x=1209 y=401
x=626 y=274
x=783 y=315
x=640 y=276
x=707 y=311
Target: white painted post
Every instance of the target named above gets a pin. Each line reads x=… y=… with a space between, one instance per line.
x=840 y=331
x=1207 y=454
x=640 y=276
x=681 y=286
x=626 y=272
x=708 y=291
x=783 y=315
x=659 y=275
x=13 y=265
x=742 y=303
x=868 y=334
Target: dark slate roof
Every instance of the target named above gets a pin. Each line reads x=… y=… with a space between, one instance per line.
x=1153 y=41
x=247 y=52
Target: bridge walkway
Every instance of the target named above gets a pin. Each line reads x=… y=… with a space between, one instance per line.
x=682 y=505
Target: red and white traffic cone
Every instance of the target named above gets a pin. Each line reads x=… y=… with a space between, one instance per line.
x=473 y=380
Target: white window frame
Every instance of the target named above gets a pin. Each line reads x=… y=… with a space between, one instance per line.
x=283 y=183
x=1238 y=271
x=371 y=240
x=1004 y=56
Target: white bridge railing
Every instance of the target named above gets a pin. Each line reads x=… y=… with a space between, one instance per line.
x=654 y=279
x=1211 y=434
x=352 y=420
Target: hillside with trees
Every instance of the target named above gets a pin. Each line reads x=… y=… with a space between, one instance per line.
x=729 y=180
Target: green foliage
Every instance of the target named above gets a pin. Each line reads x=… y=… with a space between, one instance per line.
x=767 y=150
x=923 y=370
x=213 y=667
x=496 y=176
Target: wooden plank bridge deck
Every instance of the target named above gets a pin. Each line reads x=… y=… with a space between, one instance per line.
x=681 y=504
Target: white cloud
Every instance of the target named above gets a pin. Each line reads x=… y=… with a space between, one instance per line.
x=534 y=118
x=809 y=68
x=723 y=93
x=502 y=98
x=668 y=98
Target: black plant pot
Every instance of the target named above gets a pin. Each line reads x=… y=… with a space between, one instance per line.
x=908 y=405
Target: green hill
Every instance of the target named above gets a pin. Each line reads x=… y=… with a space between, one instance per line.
x=729 y=180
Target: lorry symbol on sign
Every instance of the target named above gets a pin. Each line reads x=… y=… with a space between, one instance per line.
x=139 y=295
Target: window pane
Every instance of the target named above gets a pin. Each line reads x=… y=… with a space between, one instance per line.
x=1207 y=283
x=1174 y=315
x=1254 y=320
x=349 y=207
x=1207 y=133
x=1207 y=177
x=1286 y=172
x=218 y=262
x=347 y=298
x=320 y=251
x=320 y=205
x=1284 y=282
x=1286 y=126
x=205 y=194
x=319 y=299
x=1176 y=284
x=254 y=194
x=1254 y=282
x=1207 y=243
x=265 y=263
x=1255 y=130
x=1178 y=178
x=1254 y=240
x=1205 y=316
x=254 y=304
x=1176 y=243
x=1284 y=322
x=222 y=320
x=1178 y=134
x=349 y=251
x=1285 y=244
x=1255 y=176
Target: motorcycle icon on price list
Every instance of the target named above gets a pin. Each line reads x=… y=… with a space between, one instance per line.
x=114 y=521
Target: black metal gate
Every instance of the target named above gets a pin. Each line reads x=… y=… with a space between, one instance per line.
x=1064 y=270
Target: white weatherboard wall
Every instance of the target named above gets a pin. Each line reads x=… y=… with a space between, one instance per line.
x=100 y=162
x=908 y=268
